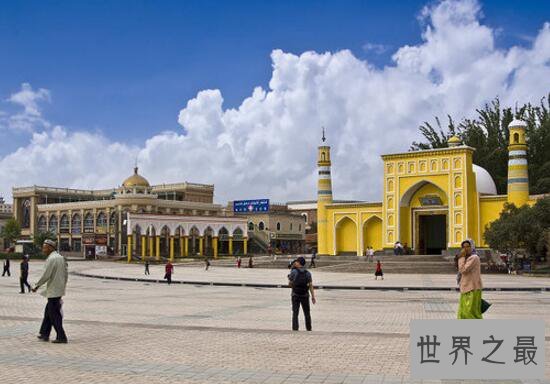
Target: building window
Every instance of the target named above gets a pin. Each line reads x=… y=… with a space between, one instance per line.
x=278 y=226
x=53 y=224
x=26 y=214
x=112 y=220
x=76 y=223
x=299 y=227
x=42 y=224
x=290 y=226
x=516 y=138
x=261 y=226
x=251 y=226
x=88 y=223
x=64 y=224
x=101 y=220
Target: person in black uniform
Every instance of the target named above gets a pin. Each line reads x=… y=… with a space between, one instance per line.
x=301 y=282
x=6 y=267
x=24 y=274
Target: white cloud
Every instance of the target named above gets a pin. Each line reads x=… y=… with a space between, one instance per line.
x=267 y=146
x=376 y=48
x=30 y=119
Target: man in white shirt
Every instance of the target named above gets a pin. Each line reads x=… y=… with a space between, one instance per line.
x=55 y=277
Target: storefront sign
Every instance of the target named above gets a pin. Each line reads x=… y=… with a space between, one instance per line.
x=88 y=239
x=100 y=239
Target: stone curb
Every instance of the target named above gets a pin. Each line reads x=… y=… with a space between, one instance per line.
x=329 y=287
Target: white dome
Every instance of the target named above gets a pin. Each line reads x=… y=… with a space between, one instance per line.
x=517 y=123
x=484 y=182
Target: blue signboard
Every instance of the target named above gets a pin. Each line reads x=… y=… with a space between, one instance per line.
x=244 y=206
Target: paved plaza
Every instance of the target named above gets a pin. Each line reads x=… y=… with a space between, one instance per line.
x=149 y=332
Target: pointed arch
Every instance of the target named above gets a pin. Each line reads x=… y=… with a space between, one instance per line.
x=42 y=224
x=406 y=198
x=372 y=233
x=346 y=236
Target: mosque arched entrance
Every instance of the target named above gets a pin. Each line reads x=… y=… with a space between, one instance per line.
x=424 y=218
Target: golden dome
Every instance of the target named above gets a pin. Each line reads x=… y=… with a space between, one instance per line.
x=136 y=180
x=454 y=141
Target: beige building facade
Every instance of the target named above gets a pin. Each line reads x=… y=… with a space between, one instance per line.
x=86 y=221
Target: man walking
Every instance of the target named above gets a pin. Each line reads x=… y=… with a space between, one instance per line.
x=24 y=274
x=169 y=269
x=55 y=277
x=302 y=284
x=147 y=267
x=6 y=267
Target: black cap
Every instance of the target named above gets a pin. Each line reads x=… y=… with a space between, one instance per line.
x=301 y=260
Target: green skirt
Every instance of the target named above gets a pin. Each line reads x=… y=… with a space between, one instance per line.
x=469 y=306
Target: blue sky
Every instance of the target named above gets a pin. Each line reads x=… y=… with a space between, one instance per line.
x=127 y=67
x=88 y=87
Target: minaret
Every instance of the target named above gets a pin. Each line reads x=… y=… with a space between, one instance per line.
x=324 y=196
x=518 y=177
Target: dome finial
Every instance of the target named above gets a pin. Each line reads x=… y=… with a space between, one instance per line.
x=323 y=138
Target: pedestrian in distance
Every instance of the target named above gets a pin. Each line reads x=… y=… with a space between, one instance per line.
x=313 y=257
x=469 y=267
x=250 y=262
x=301 y=282
x=168 y=270
x=147 y=267
x=239 y=262
x=55 y=276
x=378 y=271
x=24 y=274
x=206 y=263
x=6 y=267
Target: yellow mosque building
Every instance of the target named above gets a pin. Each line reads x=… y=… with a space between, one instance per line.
x=433 y=200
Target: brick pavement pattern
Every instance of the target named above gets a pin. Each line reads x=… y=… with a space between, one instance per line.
x=145 y=332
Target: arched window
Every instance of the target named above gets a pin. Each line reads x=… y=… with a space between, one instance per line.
x=88 y=223
x=112 y=220
x=76 y=223
x=291 y=226
x=261 y=226
x=101 y=220
x=42 y=227
x=251 y=226
x=53 y=224
x=278 y=226
x=516 y=138
x=64 y=224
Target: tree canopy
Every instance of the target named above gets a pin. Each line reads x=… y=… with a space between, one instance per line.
x=524 y=228
x=488 y=134
x=11 y=230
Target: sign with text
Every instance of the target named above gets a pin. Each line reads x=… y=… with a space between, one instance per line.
x=244 y=206
x=477 y=349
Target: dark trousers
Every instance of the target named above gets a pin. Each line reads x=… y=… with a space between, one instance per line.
x=52 y=317
x=304 y=302
x=147 y=270
x=24 y=283
x=169 y=278
x=6 y=270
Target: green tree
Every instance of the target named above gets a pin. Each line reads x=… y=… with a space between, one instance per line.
x=11 y=231
x=522 y=229
x=39 y=238
x=488 y=134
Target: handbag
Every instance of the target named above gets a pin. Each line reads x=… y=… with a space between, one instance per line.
x=484 y=306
